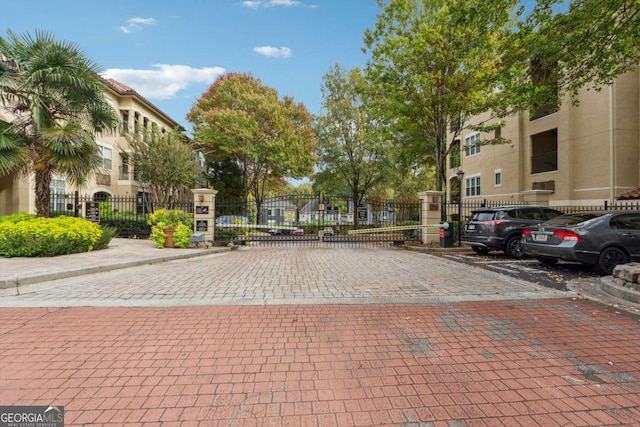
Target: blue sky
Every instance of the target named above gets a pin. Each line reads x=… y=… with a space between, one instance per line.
x=171 y=51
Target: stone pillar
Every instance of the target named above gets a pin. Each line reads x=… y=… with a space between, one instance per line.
x=431 y=211
x=204 y=207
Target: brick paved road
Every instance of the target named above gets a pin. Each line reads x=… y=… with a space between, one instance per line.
x=283 y=275
x=318 y=337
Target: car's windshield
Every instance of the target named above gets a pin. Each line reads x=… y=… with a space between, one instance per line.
x=574 y=219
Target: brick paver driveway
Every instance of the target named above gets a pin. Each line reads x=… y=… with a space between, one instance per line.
x=320 y=337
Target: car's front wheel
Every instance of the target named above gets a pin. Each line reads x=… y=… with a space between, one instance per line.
x=512 y=248
x=609 y=258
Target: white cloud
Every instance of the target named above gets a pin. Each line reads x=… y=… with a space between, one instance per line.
x=252 y=4
x=282 y=3
x=255 y=4
x=273 y=52
x=136 y=24
x=165 y=81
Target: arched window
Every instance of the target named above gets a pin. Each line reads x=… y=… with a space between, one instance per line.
x=101 y=196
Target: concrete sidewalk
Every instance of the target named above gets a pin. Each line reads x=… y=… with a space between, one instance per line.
x=121 y=253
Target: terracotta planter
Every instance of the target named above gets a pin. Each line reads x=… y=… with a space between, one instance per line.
x=169 y=232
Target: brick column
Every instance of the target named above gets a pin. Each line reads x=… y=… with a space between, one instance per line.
x=430 y=214
x=204 y=202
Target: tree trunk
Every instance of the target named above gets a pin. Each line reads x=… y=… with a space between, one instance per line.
x=43 y=190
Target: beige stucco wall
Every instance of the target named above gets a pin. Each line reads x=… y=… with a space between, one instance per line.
x=598 y=143
x=16 y=193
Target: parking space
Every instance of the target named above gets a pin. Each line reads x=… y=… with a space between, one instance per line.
x=555 y=277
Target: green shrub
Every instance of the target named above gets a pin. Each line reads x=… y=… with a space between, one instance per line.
x=170 y=218
x=225 y=233
x=182 y=236
x=31 y=236
x=130 y=228
x=108 y=233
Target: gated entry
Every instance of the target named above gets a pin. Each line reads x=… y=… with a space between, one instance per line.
x=313 y=219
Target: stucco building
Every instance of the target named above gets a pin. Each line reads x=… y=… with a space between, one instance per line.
x=117 y=176
x=579 y=155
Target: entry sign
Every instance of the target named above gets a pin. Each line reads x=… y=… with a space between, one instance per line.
x=202 y=210
x=362 y=213
x=202 y=225
x=92 y=210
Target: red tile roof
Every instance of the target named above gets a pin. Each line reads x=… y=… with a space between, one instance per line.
x=630 y=195
x=122 y=89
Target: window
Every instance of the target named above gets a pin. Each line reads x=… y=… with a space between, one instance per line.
x=57 y=189
x=533 y=214
x=626 y=222
x=125 y=120
x=454 y=125
x=472 y=145
x=497 y=177
x=107 y=157
x=136 y=122
x=498 y=133
x=544 y=152
x=472 y=186
x=124 y=169
x=454 y=156
x=101 y=196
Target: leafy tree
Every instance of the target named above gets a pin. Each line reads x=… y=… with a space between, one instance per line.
x=55 y=99
x=439 y=62
x=351 y=148
x=226 y=177
x=589 y=43
x=269 y=138
x=164 y=166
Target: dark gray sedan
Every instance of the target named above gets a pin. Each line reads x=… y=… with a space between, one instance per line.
x=601 y=239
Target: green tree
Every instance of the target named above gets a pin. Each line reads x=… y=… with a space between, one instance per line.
x=439 y=62
x=55 y=98
x=225 y=176
x=352 y=150
x=589 y=43
x=164 y=166
x=269 y=138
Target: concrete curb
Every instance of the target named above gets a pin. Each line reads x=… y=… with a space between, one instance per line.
x=603 y=290
x=610 y=287
x=429 y=249
x=19 y=281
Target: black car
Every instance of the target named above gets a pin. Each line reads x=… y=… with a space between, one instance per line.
x=500 y=228
x=601 y=239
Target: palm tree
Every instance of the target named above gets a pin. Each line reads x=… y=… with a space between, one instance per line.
x=55 y=100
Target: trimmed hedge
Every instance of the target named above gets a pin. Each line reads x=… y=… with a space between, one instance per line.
x=26 y=235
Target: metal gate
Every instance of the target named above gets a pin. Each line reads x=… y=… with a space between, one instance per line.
x=305 y=219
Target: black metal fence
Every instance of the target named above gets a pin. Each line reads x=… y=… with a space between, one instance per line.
x=128 y=214
x=307 y=218
x=296 y=217
x=450 y=211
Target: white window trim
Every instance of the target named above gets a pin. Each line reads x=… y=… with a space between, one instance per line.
x=475 y=148
x=102 y=148
x=495 y=173
x=466 y=185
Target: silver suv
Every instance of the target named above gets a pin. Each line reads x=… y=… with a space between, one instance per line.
x=500 y=228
